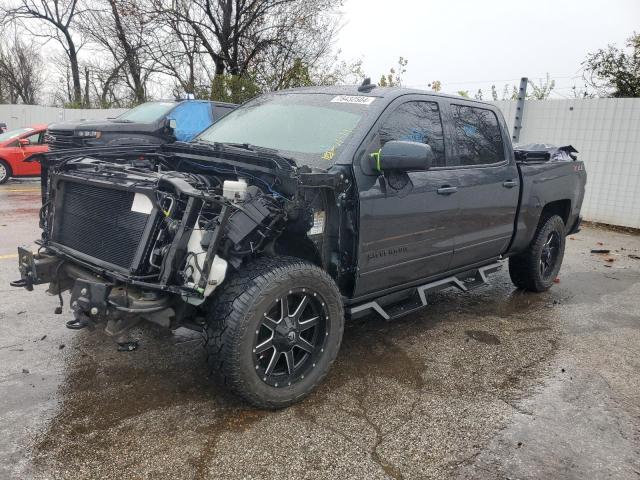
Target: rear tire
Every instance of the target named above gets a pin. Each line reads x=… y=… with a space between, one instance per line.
x=5 y=172
x=536 y=268
x=270 y=354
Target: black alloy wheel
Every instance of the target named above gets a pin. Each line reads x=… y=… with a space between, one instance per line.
x=290 y=338
x=274 y=329
x=536 y=268
x=549 y=254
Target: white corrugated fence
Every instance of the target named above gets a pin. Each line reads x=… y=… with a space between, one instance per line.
x=24 y=115
x=606 y=132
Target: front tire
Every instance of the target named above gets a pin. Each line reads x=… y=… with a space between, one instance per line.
x=536 y=268
x=5 y=172
x=274 y=330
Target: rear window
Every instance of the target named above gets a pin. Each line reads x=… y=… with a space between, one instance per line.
x=478 y=139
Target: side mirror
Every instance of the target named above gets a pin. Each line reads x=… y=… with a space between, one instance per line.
x=24 y=142
x=402 y=156
x=172 y=123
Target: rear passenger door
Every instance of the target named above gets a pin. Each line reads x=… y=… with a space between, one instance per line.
x=407 y=222
x=487 y=183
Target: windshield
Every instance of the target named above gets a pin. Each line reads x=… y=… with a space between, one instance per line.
x=146 y=113
x=14 y=133
x=310 y=128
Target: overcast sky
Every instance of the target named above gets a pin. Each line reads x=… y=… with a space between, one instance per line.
x=469 y=44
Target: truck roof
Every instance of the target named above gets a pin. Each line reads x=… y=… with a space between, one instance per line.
x=387 y=93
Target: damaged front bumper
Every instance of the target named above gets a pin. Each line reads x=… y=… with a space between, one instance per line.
x=94 y=299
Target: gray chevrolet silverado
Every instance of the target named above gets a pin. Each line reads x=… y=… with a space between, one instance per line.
x=294 y=211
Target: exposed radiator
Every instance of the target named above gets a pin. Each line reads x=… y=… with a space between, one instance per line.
x=99 y=222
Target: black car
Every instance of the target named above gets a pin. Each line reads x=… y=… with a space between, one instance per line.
x=295 y=210
x=153 y=123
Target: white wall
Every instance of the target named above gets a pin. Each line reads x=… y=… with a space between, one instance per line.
x=24 y=115
x=606 y=132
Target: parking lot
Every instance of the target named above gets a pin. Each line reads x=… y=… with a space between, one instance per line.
x=493 y=384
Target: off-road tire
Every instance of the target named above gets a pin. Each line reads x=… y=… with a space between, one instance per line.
x=525 y=268
x=7 y=169
x=238 y=306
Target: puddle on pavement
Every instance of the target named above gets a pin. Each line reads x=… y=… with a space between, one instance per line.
x=106 y=396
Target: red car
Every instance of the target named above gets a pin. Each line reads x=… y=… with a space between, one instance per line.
x=18 y=144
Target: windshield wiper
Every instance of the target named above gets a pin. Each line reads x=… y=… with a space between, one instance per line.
x=252 y=148
x=242 y=146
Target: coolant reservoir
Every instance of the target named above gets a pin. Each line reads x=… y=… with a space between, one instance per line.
x=234 y=190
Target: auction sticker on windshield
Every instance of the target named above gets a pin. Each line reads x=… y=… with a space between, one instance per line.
x=359 y=99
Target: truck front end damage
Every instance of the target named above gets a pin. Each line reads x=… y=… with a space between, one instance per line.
x=149 y=235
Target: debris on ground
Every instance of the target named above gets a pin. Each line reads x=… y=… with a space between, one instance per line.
x=61 y=346
x=43 y=337
x=600 y=250
x=25 y=370
x=635 y=257
x=127 y=346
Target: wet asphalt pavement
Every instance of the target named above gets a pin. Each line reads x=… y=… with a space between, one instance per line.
x=497 y=383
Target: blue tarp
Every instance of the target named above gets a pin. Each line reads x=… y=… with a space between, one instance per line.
x=191 y=118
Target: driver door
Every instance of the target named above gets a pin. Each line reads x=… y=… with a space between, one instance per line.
x=407 y=220
x=36 y=145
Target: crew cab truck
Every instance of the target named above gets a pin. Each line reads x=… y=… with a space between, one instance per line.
x=153 y=123
x=294 y=211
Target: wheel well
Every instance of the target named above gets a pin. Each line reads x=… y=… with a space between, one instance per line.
x=8 y=165
x=562 y=208
x=299 y=246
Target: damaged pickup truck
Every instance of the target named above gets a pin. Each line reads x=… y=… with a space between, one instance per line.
x=295 y=210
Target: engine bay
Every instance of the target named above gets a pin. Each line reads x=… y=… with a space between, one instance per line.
x=146 y=234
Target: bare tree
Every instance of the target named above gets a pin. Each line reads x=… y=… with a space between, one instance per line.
x=121 y=28
x=21 y=77
x=242 y=36
x=58 y=18
x=177 y=52
x=301 y=52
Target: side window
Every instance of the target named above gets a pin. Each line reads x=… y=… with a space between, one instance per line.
x=478 y=138
x=35 y=139
x=219 y=112
x=416 y=121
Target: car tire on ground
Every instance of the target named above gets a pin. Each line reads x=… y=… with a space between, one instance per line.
x=5 y=172
x=537 y=267
x=274 y=330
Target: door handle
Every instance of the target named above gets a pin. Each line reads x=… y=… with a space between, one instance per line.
x=447 y=190
x=509 y=184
